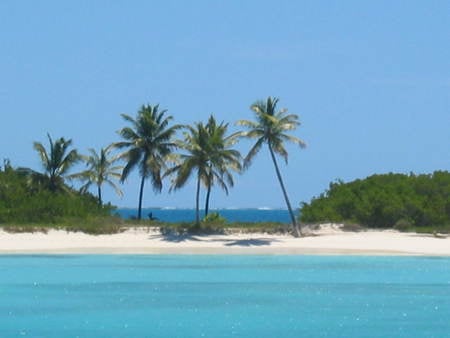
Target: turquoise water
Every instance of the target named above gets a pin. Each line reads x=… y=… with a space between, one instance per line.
x=232 y=215
x=224 y=296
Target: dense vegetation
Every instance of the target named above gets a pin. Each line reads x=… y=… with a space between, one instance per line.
x=384 y=201
x=22 y=203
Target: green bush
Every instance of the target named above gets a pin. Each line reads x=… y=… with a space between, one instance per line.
x=22 y=203
x=215 y=219
x=402 y=225
x=385 y=201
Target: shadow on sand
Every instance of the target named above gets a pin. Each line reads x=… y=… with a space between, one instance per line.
x=250 y=242
x=176 y=238
x=179 y=238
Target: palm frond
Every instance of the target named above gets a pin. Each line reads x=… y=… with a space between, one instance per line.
x=57 y=161
x=293 y=139
x=128 y=119
x=133 y=157
x=68 y=161
x=114 y=186
x=42 y=152
x=252 y=153
x=129 y=134
x=247 y=124
x=278 y=148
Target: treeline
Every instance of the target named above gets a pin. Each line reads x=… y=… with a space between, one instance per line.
x=25 y=200
x=385 y=201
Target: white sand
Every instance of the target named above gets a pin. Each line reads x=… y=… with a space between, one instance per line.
x=328 y=239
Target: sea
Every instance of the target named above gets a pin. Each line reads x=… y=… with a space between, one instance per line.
x=232 y=215
x=223 y=296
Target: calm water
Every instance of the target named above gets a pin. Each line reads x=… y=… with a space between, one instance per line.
x=232 y=215
x=224 y=296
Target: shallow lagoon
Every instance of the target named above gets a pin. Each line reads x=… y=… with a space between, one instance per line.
x=223 y=296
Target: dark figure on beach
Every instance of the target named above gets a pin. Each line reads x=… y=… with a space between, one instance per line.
x=150 y=216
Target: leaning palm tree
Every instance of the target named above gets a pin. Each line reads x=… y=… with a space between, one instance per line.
x=148 y=141
x=101 y=170
x=56 y=161
x=208 y=156
x=270 y=128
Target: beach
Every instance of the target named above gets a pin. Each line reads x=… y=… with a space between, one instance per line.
x=327 y=239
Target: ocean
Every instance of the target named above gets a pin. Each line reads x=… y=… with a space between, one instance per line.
x=232 y=215
x=223 y=296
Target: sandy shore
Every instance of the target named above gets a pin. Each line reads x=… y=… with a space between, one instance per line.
x=328 y=240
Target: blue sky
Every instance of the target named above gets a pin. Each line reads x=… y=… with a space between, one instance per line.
x=370 y=81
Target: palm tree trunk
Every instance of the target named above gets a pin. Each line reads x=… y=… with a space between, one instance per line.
x=52 y=183
x=208 y=193
x=141 y=193
x=297 y=232
x=197 y=203
x=99 y=191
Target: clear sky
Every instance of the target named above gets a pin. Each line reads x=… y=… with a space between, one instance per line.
x=370 y=81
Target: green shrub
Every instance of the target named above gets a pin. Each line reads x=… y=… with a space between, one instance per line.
x=23 y=204
x=214 y=218
x=384 y=201
x=402 y=225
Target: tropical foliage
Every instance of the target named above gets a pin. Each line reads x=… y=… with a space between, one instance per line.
x=148 y=143
x=19 y=204
x=384 y=201
x=209 y=156
x=223 y=159
x=269 y=128
x=56 y=161
x=102 y=169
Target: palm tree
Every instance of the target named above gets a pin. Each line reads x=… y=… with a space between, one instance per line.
x=57 y=161
x=222 y=158
x=209 y=156
x=149 y=141
x=101 y=170
x=270 y=128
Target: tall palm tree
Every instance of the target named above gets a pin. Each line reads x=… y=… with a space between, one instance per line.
x=101 y=170
x=57 y=161
x=148 y=141
x=222 y=158
x=270 y=128
x=209 y=156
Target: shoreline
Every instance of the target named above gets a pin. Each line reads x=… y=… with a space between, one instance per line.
x=326 y=239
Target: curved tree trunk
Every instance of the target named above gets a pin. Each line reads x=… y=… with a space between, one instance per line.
x=141 y=194
x=197 y=202
x=297 y=232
